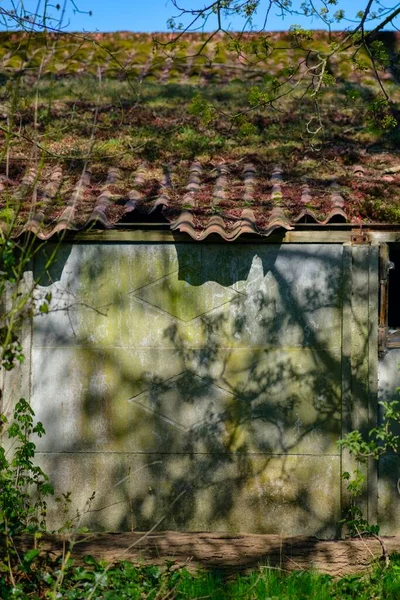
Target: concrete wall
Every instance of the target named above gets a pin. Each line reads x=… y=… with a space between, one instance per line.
x=203 y=386
x=389 y=466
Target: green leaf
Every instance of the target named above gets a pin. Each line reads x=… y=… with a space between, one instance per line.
x=30 y=555
x=44 y=308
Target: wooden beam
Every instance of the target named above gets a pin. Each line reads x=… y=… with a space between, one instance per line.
x=346 y=463
x=373 y=318
x=230 y=552
x=166 y=236
x=297 y=236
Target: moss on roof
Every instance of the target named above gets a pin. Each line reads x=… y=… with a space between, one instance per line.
x=107 y=100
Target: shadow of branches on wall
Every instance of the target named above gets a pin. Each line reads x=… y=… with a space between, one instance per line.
x=195 y=386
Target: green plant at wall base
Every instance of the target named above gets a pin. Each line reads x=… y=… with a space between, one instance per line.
x=379 y=441
x=24 y=489
x=24 y=485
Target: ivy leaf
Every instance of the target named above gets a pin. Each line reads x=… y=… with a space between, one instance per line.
x=30 y=555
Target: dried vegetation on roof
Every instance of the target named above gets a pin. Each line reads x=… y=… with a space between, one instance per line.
x=104 y=128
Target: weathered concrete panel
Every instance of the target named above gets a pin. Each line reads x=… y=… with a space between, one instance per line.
x=389 y=466
x=222 y=362
x=389 y=495
x=245 y=493
x=292 y=294
x=290 y=298
x=389 y=376
x=82 y=396
x=262 y=403
x=359 y=337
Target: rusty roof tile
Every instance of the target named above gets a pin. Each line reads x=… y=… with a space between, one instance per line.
x=45 y=198
x=66 y=221
x=185 y=223
x=338 y=204
x=166 y=185
x=306 y=215
x=276 y=182
x=359 y=171
x=193 y=186
x=195 y=172
x=248 y=222
x=249 y=177
x=134 y=195
x=220 y=184
x=99 y=213
x=277 y=217
x=228 y=200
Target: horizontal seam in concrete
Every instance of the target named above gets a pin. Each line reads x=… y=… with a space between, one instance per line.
x=135 y=347
x=138 y=453
x=165 y=312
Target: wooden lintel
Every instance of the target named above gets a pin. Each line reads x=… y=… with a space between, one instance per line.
x=166 y=236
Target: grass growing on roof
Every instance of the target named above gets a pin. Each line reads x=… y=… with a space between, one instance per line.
x=146 y=111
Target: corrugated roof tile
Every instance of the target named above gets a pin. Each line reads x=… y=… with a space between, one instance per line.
x=249 y=177
x=193 y=186
x=227 y=200
x=221 y=184
x=338 y=205
x=163 y=199
x=307 y=215
x=104 y=200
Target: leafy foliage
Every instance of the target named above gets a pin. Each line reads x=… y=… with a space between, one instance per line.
x=378 y=441
x=24 y=485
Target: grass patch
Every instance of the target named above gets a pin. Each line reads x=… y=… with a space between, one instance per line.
x=37 y=579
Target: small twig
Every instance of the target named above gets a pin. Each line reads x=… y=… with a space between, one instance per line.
x=385 y=554
x=143 y=537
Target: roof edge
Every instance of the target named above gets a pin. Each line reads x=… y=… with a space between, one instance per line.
x=337 y=235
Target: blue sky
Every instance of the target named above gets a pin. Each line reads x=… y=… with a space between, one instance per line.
x=152 y=15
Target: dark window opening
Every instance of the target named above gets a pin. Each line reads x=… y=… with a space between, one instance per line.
x=389 y=297
x=393 y=319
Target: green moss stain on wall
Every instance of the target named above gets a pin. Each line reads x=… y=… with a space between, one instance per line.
x=208 y=370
